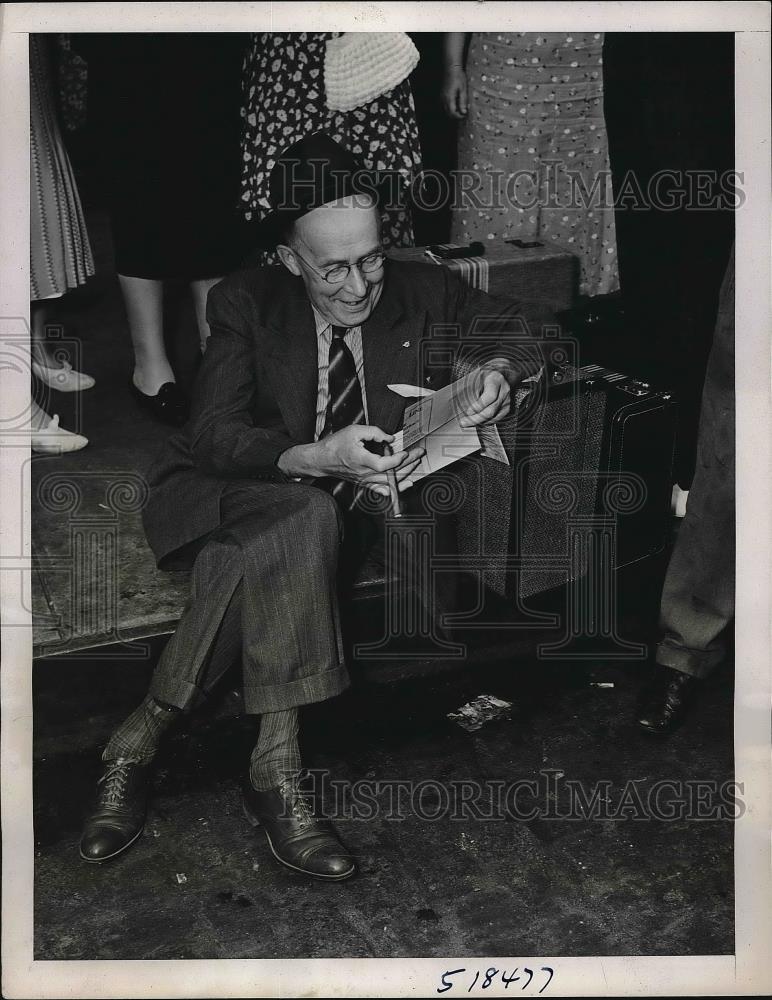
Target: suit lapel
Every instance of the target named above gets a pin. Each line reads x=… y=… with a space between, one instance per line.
x=390 y=344
x=293 y=362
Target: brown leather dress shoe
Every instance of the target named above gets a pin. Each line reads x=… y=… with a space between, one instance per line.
x=119 y=815
x=296 y=837
x=665 y=700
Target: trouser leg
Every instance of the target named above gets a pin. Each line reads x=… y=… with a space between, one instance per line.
x=283 y=551
x=181 y=668
x=276 y=754
x=214 y=646
x=698 y=595
x=263 y=589
x=292 y=645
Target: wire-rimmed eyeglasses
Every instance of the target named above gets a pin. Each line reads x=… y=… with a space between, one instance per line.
x=338 y=273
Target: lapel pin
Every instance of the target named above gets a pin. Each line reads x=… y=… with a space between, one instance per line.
x=406 y=343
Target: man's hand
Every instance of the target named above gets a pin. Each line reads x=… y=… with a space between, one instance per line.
x=343 y=455
x=491 y=404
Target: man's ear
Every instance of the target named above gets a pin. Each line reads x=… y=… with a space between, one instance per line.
x=288 y=259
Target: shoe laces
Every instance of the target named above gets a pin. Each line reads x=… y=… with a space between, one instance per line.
x=299 y=803
x=114 y=781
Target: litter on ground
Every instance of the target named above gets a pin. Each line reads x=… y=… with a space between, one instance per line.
x=484 y=708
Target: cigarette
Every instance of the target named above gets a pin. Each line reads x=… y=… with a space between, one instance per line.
x=391 y=479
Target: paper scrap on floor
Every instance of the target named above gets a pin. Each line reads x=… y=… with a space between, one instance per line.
x=484 y=708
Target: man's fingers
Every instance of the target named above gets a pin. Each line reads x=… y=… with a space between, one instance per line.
x=368 y=432
x=386 y=462
x=411 y=457
x=496 y=409
x=396 y=461
x=494 y=397
x=492 y=389
x=407 y=469
x=380 y=478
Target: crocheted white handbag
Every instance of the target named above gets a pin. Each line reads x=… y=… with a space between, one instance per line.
x=361 y=65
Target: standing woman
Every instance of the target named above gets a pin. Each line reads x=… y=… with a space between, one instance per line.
x=286 y=83
x=60 y=252
x=534 y=134
x=165 y=111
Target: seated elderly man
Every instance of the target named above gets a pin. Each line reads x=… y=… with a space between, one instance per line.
x=291 y=396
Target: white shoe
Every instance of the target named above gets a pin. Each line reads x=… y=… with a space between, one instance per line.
x=64 y=379
x=55 y=440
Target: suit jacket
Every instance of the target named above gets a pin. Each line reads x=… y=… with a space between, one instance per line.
x=255 y=394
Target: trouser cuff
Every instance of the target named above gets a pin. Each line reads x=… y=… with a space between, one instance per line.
x=688 y=661
x=177 y=693
x=303 y=691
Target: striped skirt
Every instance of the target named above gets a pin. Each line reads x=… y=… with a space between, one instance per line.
x=60 y=253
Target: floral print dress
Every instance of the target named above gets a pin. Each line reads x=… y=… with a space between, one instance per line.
x=284 y=100
x=535 y=137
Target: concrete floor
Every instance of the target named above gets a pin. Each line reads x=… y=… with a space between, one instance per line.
x=448 y=887
x=200 y=883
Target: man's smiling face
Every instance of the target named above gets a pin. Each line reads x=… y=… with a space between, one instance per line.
x=343 y=232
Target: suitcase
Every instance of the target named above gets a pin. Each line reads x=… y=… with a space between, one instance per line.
x=545 y=274
x=595 y=456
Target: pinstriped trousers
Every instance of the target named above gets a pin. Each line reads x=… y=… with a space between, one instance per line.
x=265 y=587
x=264 y=584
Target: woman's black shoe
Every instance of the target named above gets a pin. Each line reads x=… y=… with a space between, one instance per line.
x=169 y=403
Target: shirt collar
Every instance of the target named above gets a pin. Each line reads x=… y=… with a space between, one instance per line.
x=322 y=324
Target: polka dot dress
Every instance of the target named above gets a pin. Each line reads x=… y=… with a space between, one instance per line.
x=284 y=100
x=535 y=136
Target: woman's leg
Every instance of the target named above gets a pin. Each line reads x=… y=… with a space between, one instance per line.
x=200 y=290
x=40 y=350
x=143 y=298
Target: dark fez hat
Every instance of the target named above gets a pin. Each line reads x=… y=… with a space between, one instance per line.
x=310 y=173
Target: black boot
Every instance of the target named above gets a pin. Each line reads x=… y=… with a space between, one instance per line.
x=296 y=837
x=665 y=700
x=119 y=816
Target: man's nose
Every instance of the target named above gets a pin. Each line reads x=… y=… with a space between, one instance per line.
x=356 y=281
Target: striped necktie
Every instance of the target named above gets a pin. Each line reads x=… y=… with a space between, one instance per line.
x=344 y=407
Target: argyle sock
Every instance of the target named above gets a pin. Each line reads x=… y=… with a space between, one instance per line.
x=138 y=737
x=276 y=755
